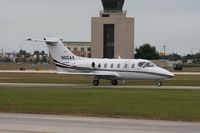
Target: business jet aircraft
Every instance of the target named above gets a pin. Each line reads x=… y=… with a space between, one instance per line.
x=109 y=69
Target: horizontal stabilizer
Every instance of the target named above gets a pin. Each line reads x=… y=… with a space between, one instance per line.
x=46 y=40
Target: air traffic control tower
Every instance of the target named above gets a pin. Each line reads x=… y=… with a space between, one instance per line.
x=112 y=32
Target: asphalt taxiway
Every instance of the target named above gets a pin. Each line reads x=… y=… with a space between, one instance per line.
x=24 y=123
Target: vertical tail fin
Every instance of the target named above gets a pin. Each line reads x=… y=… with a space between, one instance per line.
x=57 y=50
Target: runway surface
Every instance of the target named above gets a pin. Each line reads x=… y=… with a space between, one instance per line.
x=31 y=85
x=28 y=71
x=24 y=123
x=17 y=85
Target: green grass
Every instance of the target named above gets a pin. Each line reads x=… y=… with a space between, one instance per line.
x=124 y=103
x=179 y=80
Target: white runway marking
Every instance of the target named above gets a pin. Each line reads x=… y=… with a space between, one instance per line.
x=23 y=123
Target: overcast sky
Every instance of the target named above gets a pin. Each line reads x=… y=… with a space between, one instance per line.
x=174 y=23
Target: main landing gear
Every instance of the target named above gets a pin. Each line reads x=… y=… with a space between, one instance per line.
x=96 y=82
x=159 y=83
x=113 y=82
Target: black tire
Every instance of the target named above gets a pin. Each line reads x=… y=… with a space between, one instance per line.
x=96 y=82
x=22 y=69
x=114 y=82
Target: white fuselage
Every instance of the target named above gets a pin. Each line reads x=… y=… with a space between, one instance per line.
x=125 y=69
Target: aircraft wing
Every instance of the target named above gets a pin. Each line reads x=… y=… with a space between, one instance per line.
x=98 y=74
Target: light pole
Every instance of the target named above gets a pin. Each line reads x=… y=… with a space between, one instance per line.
x=164 y=50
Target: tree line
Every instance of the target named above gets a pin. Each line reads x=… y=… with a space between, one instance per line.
x=149 y=52
x=25 y=57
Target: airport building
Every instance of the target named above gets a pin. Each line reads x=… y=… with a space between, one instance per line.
x=79 y=48
x=112 y=32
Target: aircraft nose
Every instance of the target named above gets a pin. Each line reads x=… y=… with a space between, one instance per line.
x=169 y=74
x=166 y=73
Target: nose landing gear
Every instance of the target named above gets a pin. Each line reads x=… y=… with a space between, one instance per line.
x=159 y=83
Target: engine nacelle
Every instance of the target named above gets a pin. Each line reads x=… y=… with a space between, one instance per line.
x=85 y=65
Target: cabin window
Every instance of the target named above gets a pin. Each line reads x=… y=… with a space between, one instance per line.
x=93 y=64
x=133 y=66
x=140 y=64
x=118 y=65
x=112 y=65
x=126 y=66
x=99 y=65
x=105 y=65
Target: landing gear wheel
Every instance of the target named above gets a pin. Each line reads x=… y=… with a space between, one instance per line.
x=159 y=83
x=114 y=82
x=96 y=82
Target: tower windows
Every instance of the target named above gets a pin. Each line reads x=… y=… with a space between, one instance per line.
x=108 y=41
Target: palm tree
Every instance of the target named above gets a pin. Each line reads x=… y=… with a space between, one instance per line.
x=37 y=53
x=44 y=56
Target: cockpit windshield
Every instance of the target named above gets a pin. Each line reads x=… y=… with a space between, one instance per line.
x=140 y=64
x=149 y=64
